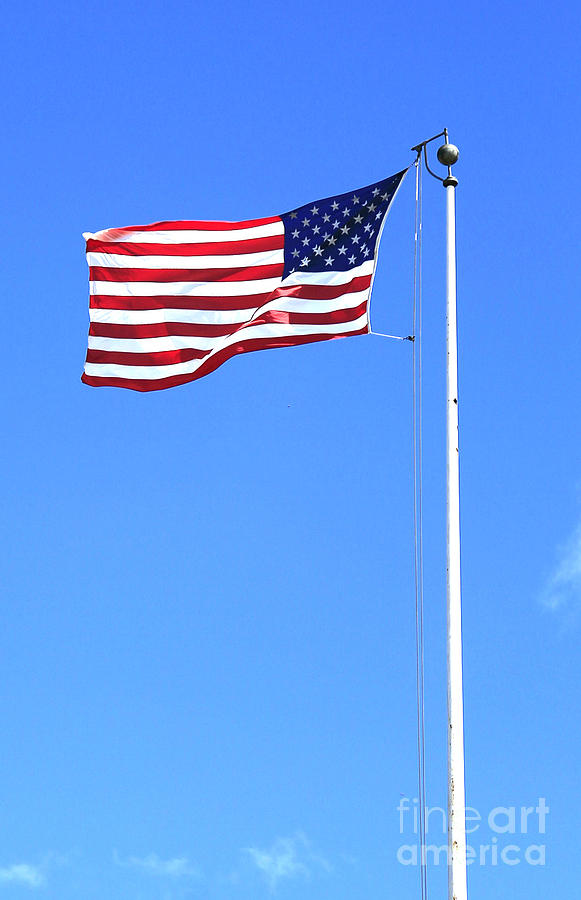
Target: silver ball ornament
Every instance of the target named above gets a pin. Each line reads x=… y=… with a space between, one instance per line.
x=448 y=154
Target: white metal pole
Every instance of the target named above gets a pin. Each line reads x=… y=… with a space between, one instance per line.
x=456 y=798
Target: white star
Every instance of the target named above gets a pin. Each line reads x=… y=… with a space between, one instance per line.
x=332 y=240
x=306 y=222
x=376 y=192
x=367 y=227
x=336 y=224
x=385 y=196
x=355 y=240
x=345 y=229
x=378 y=215
x=355 y=199
x=315 y=210
x=293 y=215
x=372 y=206
x=329 y=261
x=346 y=211
x=326 y=217
x=316 y=229
x=296 y=253
x=342 y=250
x=367 y=251
x=296 y=233
x=304 y=261
x=351 y=259
x=334 y=205
x=326 y=236
x=306 y=242
x=358 y=219
x=318 y=251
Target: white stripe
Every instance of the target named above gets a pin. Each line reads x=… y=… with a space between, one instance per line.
x=184 y=288
x=254 y=333
x=186 y=237
x=152 y=345
x=116 y=260
x=154 y=316
x=331 y=277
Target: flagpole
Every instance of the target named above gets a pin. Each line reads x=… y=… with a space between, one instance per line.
x=457 y=890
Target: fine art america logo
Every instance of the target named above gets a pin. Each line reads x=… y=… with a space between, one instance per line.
x=507 y=835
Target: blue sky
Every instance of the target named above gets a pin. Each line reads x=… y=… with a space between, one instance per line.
x=207 y=653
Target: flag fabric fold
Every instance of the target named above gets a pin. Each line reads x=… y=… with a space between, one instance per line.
x=172 y=301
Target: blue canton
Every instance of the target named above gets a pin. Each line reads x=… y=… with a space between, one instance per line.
x=338 y=233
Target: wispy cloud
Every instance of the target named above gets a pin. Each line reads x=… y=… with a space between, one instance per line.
x=563 y=588
x=289 y=857
x=177 y=867
x=22 y=873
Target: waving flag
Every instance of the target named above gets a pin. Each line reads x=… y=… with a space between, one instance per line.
x=172 y=301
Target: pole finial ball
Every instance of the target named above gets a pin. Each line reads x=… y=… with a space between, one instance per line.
x=448 y=154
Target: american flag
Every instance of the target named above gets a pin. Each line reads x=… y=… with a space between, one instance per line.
x=172 y=301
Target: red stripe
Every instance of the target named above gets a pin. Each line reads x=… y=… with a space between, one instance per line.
x=246 y=301
x=224 y=248
x=213 y=362
x=162 y=358
x=161 y=329
x=187 y=225
x=195 y=276
x=323 y=291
